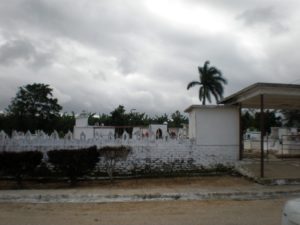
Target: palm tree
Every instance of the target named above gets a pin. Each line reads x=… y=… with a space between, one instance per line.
x=211 y=82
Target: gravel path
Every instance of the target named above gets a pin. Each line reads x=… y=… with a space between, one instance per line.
x=187 y=212
x=196 y=188
x=256 y=212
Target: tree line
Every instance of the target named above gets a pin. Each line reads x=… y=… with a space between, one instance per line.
x=34 y=108
x=272 y=118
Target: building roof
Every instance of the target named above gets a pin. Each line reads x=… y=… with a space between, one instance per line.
x=192 y=107
x=276 y=96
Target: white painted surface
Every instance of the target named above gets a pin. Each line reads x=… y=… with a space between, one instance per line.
x=88 y=132
x=148 y=154
x=192 y=124
x=214 y=125
x=91 y=132
x=104 y=131
x=81 y=122
x=153 y=128
x=252 y=135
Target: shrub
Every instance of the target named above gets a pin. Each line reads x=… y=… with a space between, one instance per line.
x=18 y=164
x=112 y=155
x=74 y=163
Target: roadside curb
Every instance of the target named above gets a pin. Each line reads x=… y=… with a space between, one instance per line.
x=98 y=198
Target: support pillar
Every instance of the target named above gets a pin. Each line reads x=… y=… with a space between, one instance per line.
x=262 y=132
x=241 y=147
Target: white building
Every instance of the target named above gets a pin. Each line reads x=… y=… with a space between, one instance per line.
x=214 y=125
x=159 y=130
x=82 y=131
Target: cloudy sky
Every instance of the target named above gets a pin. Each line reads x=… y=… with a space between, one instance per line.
x=142 y=54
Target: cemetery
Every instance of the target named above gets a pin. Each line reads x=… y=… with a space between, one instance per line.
x=212 y=139
x=152 y=149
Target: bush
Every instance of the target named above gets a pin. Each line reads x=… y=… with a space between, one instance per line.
x=18 y=164
x=74 y=163
x=112 y=155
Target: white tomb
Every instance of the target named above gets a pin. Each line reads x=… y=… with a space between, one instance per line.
x=82 y=131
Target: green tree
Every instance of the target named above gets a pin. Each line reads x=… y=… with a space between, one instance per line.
x=7 y=123
x=119 y=117
x=160 y=119
x=34 y=107
x=270 y=120
x=138 y=119
x=104 y=119
x=92 y=119
x=74 y=163
x=19 y=164
x=65 y=123
x=248 y=121
x=211 y=82
x=177 y=119
x=291 y=117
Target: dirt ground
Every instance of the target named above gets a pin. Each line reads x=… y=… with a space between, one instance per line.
x=258 y=212
x=205 y=181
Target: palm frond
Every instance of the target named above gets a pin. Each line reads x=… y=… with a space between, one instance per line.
x=211 y=82
x=216 y=95
x=201 y=93
x=206 y=65
x=192 y=84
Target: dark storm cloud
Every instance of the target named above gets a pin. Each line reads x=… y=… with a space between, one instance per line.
x=268 y=16
x=15 y=50
x=22 y=51
x=99 y=54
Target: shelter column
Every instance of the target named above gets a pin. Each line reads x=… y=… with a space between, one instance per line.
x=262 y=131
x=241 y=147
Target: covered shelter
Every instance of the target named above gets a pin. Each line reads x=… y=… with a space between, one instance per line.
x=264 y=96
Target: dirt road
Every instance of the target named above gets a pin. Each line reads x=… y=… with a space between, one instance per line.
x=259 y=212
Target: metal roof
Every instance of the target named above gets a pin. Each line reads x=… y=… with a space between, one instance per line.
x=190 y=108
x=276 y=96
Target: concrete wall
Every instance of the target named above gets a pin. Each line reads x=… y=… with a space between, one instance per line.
x=91 y=132
x=87 y=131
x=154 y=128
x=104 y=131
x=148 y=155
x=81 y=122
x=174 y=158
x=192 y=124
x=214 y=128
x=215 y=125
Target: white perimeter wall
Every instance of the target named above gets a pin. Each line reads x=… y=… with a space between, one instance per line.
x=216 y=130
x=147 y=155
x=154 y=127
x=88 y=131
x=174 y=158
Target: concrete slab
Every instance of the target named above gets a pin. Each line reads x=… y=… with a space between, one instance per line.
x=285 y=171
